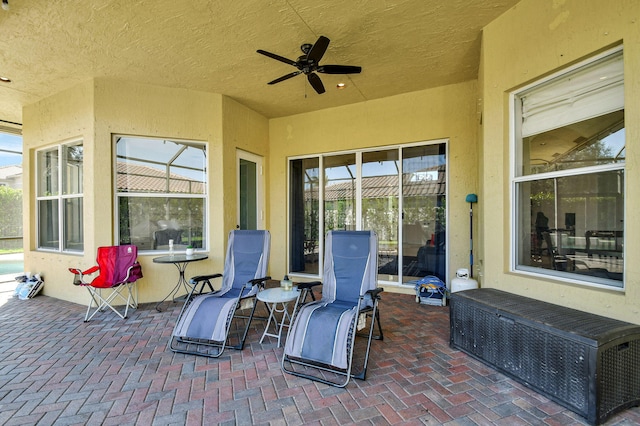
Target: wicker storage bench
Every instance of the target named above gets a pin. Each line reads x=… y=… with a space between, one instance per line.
x=585 y=362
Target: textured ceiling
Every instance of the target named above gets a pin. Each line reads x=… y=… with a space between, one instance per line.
x=402 y=46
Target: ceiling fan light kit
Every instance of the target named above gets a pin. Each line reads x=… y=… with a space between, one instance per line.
x=309 y=64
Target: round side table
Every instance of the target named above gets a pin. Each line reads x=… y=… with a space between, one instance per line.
x=277 y=300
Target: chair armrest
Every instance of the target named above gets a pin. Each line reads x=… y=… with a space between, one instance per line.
x=77 y=279
x=257 y=281
x=260 y=282
x=198 y=278
x=308 y=285
x=80 y=273
x=203 y=280
x=375 y=293
x=307 y=288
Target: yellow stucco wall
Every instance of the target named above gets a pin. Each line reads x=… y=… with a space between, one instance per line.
x=447 y=112
x=534 y=39
x=94 y=111
x=64 y=117
x=245 y=130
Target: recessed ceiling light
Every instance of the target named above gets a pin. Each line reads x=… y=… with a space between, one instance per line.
x=5 y=79
x=341 y=85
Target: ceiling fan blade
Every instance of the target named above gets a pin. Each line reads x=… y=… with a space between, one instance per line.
x=285 y=77
x=317 y=50
x=339 y=69
x=276 y=57
x=316 y=83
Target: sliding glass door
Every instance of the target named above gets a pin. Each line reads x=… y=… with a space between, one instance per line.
x=304 y=216
x=380 y=207
x=424 y=212
x=399 y=192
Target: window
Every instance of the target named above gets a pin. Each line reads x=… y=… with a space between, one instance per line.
x=59 y=198
x=161 y=193
x=399 y=192
x=568 y=175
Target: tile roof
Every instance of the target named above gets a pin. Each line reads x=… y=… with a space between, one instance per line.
x=382 y=187
x=10 y=172
x=137 y=178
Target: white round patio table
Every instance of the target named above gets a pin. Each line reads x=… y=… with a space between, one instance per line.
x=277 y=300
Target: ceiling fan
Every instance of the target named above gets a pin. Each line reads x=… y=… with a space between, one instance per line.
x=309 y=64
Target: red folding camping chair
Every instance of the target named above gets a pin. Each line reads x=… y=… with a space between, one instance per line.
x=118 y=271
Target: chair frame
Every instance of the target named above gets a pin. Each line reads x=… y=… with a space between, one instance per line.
x=106 y=302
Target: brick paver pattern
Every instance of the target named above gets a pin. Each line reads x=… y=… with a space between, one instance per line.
x=57 y=370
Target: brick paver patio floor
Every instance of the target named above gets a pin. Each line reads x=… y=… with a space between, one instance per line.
x=57 y=370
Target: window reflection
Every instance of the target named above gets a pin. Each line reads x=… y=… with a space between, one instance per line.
x=593 y=142
x=340 y=192
x=575 y=225
x=424 y=212
x=380 y=204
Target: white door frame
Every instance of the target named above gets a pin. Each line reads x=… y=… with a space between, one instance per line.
x=258 y=160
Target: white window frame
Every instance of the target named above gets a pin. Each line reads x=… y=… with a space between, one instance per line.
x=117 y=195
x=60 y=197
x=515 y=177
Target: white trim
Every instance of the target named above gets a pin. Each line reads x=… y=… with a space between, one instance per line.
x=447 y=204
x=358 y=194
x=567 y=278
x=60 y=196
x=570 y=172
x=370 y=149
x=400 y=220
x=568 y=70
x=321 y=224
x=260 y=189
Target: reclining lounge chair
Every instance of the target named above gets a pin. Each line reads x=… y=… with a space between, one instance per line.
x=204 y=324
x=320 y=343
